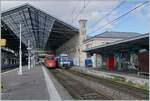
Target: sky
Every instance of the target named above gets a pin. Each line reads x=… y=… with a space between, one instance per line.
x=71 y=11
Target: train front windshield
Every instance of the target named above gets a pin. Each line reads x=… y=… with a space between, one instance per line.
x=50 y=58
x=64 y=59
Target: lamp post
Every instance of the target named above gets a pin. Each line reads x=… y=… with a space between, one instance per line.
x=20 y=55
x=34 y=60
x=32 y=64
x=29 y=60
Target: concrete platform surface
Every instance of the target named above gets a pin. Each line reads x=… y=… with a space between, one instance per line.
x=29 y=86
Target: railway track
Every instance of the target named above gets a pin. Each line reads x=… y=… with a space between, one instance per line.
x=77 y=89
x=138 y=93
x=7 y=69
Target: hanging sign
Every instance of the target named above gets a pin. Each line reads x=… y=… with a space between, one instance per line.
x=2 y=42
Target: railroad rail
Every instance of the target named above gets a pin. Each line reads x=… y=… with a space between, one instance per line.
x=9 y=67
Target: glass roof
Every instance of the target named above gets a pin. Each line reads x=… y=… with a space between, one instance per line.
x=36 y=25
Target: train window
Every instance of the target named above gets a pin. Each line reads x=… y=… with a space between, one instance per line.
x=50 y=58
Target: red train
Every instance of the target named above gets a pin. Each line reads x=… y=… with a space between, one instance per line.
x=50 y=61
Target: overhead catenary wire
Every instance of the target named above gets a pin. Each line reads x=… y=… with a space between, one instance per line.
x=118 y=6
x=74 y=9
x=84 y=3
x=82 y=10
x=119 y=17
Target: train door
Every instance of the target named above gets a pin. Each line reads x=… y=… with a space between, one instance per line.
x=110 y=63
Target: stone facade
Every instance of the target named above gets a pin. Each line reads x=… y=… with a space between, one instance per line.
x=74 y=47
x=99 y=41
x=82 y=37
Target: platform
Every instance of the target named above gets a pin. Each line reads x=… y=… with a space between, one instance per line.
x=29 y=86
x=35 y=84
x=109 y=74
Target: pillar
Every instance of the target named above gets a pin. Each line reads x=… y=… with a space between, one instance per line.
x=94 y=60
x=82 y=37
x=118 y=61
x=99 y=60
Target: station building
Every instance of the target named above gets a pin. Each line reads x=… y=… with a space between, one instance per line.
x=107 y=37
x=129 y=54
x=119 y=51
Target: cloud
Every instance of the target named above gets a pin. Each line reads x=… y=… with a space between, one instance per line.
x=95 y=15
x=141 y=13
x=63 y=10
x=97 y=22
x=100 y=27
